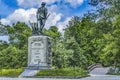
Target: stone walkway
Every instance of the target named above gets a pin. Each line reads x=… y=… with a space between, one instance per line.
x=99 y=77
x=28 y=72
x=100 y=71
x=102 y=77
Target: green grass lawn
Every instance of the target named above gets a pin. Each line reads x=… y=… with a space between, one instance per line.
x=11 y=72
x=68 y=72
x=64 y=72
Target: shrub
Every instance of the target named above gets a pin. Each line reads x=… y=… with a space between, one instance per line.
x=11 y=72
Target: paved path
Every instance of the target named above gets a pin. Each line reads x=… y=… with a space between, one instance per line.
x=98 y=77
x=102 y=77
x=28 y=72
x=100 y=71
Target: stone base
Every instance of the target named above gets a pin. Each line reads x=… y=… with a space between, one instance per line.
x=39 y=55
x=39 y=52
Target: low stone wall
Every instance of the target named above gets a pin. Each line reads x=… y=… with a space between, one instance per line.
x=96 y=65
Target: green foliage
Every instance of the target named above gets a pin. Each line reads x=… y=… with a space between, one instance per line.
x=108 y=32
x=55 y=36
x=12 y=57
x=112 y=47
x=3 y=45
x=76 y=58
x=84 y=33
x=14 y=53
x=18 y=34
x=69 y=71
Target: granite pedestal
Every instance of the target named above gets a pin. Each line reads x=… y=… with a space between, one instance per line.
x=39 y=52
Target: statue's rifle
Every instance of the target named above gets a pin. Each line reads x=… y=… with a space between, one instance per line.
x=47 y=16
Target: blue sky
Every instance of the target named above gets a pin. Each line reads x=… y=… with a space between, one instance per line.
x=61 y=11
x=7 y=7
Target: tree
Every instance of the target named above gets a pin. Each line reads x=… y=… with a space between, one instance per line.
x=14 y=53
x=55 y=35
x=18 y=34
x=108 y=29
x=76 y=58
x=3 y=45
x=111 y=50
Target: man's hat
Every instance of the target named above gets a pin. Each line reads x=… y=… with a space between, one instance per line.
x=43 y=3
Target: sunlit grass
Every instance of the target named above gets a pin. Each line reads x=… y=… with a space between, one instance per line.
x=11 y=72
x=71 y=71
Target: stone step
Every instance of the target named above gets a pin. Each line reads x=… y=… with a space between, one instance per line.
x=28 y=73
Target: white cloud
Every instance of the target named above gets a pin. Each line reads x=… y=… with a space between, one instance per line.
x=52 y=8
x=63 y=25
x=31 y=3
x=20 y=15
x=30 y=14
x=23 y=15
x=53 y=19
x=74 y=3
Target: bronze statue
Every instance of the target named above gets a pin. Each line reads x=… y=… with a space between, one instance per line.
x=42 y=16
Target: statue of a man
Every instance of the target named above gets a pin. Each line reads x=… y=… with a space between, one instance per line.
x=41 y=16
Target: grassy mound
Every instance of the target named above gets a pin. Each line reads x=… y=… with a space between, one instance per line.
x=64 y=72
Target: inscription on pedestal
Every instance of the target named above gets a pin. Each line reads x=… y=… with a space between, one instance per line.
x=39 y=51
